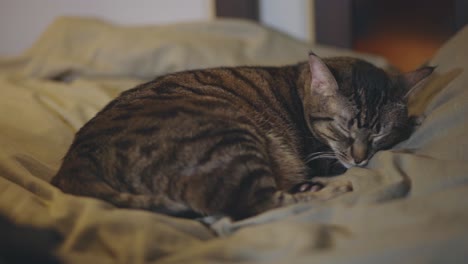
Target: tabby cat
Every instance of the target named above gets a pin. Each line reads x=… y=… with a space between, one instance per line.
x=237 y=141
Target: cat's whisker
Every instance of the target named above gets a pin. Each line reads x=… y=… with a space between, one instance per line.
x=310 y=160
x=320 y=153
x=340 y=155
x=324 y=156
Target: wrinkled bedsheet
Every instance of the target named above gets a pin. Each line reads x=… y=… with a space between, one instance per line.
x=409 y=206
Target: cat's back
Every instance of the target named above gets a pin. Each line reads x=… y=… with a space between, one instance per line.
x=187 y=123
x=266 y=95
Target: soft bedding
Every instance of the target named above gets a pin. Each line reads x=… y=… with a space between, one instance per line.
x=408 y=206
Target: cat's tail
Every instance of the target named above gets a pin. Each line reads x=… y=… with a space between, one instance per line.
x=154 y=203
x=101 y=190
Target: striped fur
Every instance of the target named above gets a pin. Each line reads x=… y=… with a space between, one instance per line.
x=232 y=141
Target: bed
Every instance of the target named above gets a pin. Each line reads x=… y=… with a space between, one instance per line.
x=408 y=206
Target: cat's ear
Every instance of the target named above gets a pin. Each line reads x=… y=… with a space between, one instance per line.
x=322 y=80
x=414 y=78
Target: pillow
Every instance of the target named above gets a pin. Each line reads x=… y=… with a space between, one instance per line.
x=93 y=47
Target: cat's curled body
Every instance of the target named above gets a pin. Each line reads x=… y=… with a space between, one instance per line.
x=235 y=141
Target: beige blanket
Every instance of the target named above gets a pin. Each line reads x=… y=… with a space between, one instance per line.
x=409 y=206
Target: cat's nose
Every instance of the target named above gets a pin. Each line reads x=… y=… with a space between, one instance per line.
x=359 y=152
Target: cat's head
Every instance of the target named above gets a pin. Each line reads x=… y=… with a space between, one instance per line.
x=356 y=108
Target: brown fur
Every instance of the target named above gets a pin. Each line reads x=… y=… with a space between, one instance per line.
x=232 y=141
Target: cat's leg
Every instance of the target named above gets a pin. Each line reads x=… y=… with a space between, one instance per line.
x=251 y=188
x=248 y=189
x=315 y=192
x=325 y=187
x=306 y=186
x=320 y=190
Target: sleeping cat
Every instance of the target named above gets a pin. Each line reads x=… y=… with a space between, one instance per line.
x=237 y=141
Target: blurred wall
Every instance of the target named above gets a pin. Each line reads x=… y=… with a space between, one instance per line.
x=22 y=21
x=294 y=17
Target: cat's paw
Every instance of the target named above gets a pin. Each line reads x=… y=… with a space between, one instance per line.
x=332 y=187
x=318 y=189
x=308 y=186
x=284 y=198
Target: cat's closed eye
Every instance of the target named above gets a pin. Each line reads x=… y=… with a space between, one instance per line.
x=385 y=140
x=349 y=140
x=379 y=137
x=378 y=128
x=350 y=123
x=342 y=129
x=314 y=118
